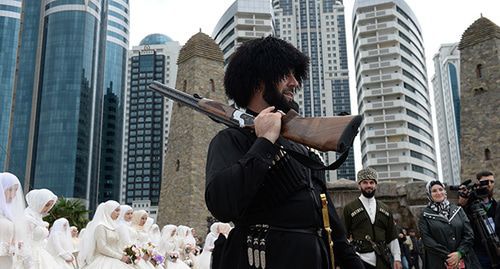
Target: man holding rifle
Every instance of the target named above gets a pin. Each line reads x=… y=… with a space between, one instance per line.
x=273 y=200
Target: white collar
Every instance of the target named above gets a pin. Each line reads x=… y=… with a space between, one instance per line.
x=365 y=200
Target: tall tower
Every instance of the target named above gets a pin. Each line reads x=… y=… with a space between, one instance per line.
x=70 y=56
x=317 y=28
x=111 y=94
x=10 y=18
x=200 y=70
x=393 y=96
x=446 y=85
x=147 y=120
x=479 y=98
x=244 y=20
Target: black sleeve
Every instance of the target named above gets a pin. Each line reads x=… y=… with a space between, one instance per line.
x=235 y=172
x=467 y=240
x=497 y=220
x=345 y=256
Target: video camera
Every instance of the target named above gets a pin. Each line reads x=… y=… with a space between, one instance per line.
x=471 y=190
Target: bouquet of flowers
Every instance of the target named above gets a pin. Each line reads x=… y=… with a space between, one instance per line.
x=173 y=256
x=157 y=259
x=148 y=249
x=133 y=252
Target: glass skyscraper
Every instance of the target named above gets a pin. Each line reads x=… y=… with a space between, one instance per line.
x=75 y=55
x=317 y=28
x=10 y=18
x=147 y=120
x=446 y=84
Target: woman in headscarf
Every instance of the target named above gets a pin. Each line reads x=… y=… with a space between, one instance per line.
x=139 y=219
x=12 y=220
x=155 y=234
x=206 y=256
x=447 y=235
x=60 y=244
x=124 y=226
x=75 y=240
x=168 y=247
x=40 y=202
x=100 y=243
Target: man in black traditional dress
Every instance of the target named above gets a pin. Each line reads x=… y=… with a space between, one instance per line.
x=273 y=200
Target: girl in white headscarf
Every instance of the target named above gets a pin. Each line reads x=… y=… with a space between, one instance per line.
x=139 y=220
x=12 y=220
x=155 y=234
x=139 y=225
x=124 y=228
x=75 y=240
x=206 y=256
x=40 y=202
x=60 y=244
x=168 y=247
x=100 y=243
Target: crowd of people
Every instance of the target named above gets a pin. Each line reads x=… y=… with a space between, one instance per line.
x=451 y=236
x=117 y=237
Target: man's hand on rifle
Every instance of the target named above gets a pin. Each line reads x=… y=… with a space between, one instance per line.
x=268 y=124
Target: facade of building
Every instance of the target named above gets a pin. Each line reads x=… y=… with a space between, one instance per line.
x=393 y=96
x=10 y=20
x=55 y=132
x=111 y=88
x=446 y=85
x=243 y=20
x=147 y=120
x=201 y=71
x=479 y=98
x=317 y=28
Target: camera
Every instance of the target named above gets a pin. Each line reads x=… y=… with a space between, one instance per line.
x=471 y=190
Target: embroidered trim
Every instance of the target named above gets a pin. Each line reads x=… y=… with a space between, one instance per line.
x=357 y=211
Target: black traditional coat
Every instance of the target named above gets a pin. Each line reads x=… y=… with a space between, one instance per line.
x=247 y=183
x=441 y=237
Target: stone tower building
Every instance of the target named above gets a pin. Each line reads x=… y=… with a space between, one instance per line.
x=182 y=197
x=480 y=98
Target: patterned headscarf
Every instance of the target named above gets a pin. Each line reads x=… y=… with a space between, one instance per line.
x=442 y=208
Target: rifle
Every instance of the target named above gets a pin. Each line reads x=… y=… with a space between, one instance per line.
x=382 y=251
x=335 y=133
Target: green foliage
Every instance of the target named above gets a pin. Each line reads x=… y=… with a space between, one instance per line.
x=72 y=209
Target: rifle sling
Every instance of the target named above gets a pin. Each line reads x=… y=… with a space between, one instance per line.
x=315 y=165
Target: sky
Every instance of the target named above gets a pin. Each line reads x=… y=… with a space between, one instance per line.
x=441 y=21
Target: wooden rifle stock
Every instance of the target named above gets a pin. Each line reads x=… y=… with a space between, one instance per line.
x=335 y=133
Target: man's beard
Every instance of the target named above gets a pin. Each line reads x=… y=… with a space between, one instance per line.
x=274 y=98
x=368 y=194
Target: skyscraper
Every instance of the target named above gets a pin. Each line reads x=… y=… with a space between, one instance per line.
x=317 y=28
x=243 y=20
x=56 y=126
x=393 y=96
x=10 y=17
x=147 y=120
x=111 y=89
x=446 y=85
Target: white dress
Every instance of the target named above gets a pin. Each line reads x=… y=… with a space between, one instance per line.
x=129 y=236
x=107 y=253
x=6 y=238
x=61 y=255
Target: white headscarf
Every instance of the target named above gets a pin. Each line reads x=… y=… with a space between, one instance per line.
x=136 y=219
x=102 y=217
x=149 y=223
x=60 y=240
x=37 y=199
x=155 y=235
x=123 y=210
x=14 y=209
x=168 y=241
x=211 y=237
